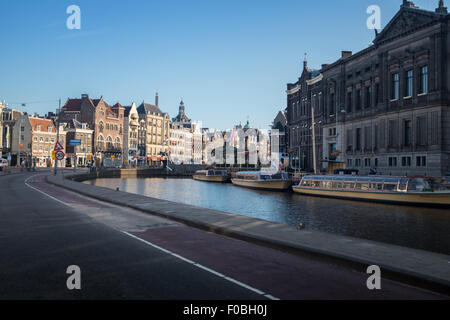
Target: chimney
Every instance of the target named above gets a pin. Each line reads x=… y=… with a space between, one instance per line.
x=441 y=9
x=408 y=4
x=156 y=99
x=84 y=96
x=345 y=54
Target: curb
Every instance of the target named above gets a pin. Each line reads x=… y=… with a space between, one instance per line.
x=417 y=278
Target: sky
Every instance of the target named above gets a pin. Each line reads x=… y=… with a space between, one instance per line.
x=228 y=60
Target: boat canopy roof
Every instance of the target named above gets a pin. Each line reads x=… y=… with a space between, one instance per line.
x=374 y=179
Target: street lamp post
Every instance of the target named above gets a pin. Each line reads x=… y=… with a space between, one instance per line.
x=57 y=133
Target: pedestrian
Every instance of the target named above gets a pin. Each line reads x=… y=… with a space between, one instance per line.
x=22 y=165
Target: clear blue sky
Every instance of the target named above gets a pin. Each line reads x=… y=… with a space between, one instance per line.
x=226 y=59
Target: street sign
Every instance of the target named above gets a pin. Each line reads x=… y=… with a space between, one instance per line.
x=59 y=155
x=75 y=142
x=58 y=146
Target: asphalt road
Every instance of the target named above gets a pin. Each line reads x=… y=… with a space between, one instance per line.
x=126 y=254
x=40 y=238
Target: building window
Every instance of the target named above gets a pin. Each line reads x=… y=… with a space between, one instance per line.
x=22 y=129
x=393 y=134
x=22 y=137
x=421 y=161
x=423 y=85
x=349 y=139
x=376 y=133
x=421 y=131
x=357 y=162
x=358 y=139
x=349 y=162
x=407 y=133
x=377 y=93
x=368 y=96
x=332 y=104
x=409 y=83
x=392 y=161
x=406 y=161
x=349 y=101
x=100 y=142
x=395 y=87
x=376 y=162
x=109 y=143
x=367 y=138
x=358 y=99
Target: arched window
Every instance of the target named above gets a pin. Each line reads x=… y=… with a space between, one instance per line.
x=101 y=126
x=100 y=142
x=118 y=143
x=109 y=142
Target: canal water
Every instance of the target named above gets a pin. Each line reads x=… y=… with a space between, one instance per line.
x=416 y=227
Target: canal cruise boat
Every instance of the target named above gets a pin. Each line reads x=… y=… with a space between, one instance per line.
x=212 y=175
x=260 y=180
x=402 y=190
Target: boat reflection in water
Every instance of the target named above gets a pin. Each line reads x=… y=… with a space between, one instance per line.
x=212 y=175
x=403 y=190
x=260 y=180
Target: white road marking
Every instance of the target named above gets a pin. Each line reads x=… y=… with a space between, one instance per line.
x=169 y=252
x=203 y=267
x=271 y=297
x=51 y=197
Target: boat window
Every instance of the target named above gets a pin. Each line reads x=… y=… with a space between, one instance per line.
x=316 y=184
x=349 y=185
x=403 y=183
x=390 y=186
x=364 y=186
x=358 y=186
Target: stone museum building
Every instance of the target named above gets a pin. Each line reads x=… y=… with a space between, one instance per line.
x=384 y=109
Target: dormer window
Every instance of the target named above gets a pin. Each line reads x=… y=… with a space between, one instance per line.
x=49 y=129
x=38 y=127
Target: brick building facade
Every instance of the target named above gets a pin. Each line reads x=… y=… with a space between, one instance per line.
x=386 y=108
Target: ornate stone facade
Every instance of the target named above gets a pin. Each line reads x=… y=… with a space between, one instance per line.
x=386 y=108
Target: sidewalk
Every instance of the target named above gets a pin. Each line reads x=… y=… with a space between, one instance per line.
x=419 y=267
x=9 y=170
